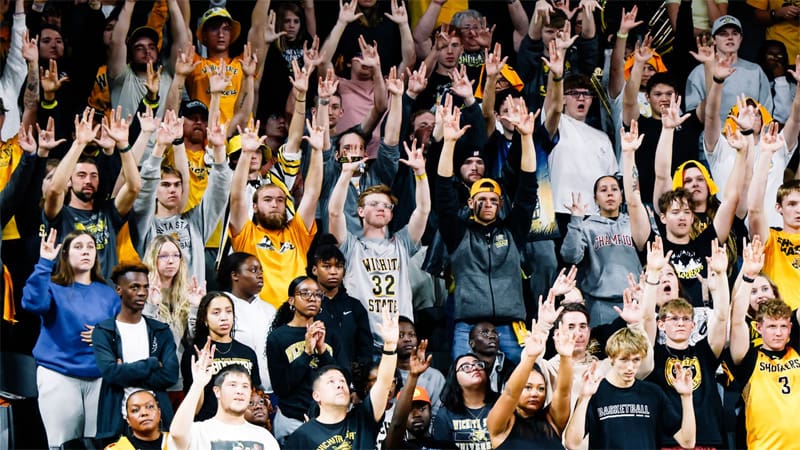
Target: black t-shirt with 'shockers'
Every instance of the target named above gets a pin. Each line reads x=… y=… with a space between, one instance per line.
x=358 y=430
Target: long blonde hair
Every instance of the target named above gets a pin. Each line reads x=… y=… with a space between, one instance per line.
x=174 y=307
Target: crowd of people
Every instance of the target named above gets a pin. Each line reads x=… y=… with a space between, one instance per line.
x=447 y=224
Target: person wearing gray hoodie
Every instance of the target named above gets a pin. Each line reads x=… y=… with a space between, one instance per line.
x=603 y=248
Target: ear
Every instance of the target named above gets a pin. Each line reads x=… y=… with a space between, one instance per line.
x=361 y=212
x=234 y=275
x=660 y=324
x=663 y=218
x=314 y=270
x=315 y=396
x=118 y=289
x=216 y=391
x=779 y=208
x=472 y=343
x=470 y=203
x=758 y=327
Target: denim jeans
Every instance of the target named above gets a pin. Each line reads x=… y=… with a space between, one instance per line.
x=507 y=341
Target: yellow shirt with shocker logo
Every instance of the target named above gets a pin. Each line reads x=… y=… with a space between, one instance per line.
x=782 y=264
x=10 y=156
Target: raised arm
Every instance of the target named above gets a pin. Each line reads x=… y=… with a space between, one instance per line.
x=682 y=383
x=723 y=221
x=300 y=91
x=400 y=17
x=718 y=288
x=313 y=183
x=184 y=65
x=541 y=16
x=493 y=64
x=261 y=18
x=670 y=120
x=771 y=142
x=246 y=98
x=118 y=51
x=425 y=26
x=640 y=224
x=117 y=129
x=617 y=79
x=752 y=263
x=370 y=59
x=576 y=428
x=181 y=427
x=554 y=101
x=792 y=127
x=419 y=218
x=499 y=422
x=561 y=405
x=418 y=365
x=56 y=191
x=656 y=261
x=630 y=98
x=722 y=69
x=379 y=393
x=180 y=33
x=30 y=98
x=239 y=198
x=347 y=15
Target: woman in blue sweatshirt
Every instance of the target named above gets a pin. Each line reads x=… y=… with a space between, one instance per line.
x=70 y=303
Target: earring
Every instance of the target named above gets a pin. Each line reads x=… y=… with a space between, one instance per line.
x=291 y=307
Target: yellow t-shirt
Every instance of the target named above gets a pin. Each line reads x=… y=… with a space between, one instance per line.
x=197 y=85
x=772 y=396
x=417 y=8
x=10 y=156
x=782 y=264
x=100 y=97
x=282 y=254
x=787 y=31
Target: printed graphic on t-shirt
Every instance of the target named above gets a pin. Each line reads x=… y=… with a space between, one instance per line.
x=96 y=225
x=690 y=363
x=687 y=265
x=623 y=410
x=236 y=445
x=789 y=249
x=471 y=434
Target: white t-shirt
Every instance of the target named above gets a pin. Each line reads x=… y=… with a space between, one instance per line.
x=135 y=343
x=722 y=160
x=583 y=154
x=253 y=320
x=212 y=434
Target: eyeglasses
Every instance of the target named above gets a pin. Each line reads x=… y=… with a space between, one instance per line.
x=350 y=159
x=168 y=256
x=489 y=333
x=259 y=402
x=471 y=366
x=579 y=94
x=308 y=295
x=377 y=204
x=678 y=319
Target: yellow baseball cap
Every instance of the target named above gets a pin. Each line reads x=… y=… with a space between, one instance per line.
x=218 y=12
x=485 y=185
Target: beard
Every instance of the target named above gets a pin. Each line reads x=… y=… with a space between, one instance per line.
x=83 y=197
x=273 y=221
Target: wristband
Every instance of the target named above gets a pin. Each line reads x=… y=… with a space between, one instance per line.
x=152 y=104
x=178 y=141
x=651 y=284
x=324 y=101
x=389 y=352
x=622 y=35
x=125 y=150
x=746 y=132
x=299 y=99
x=747 y=279
x=421 y=177
x=718 y=80
x=558 y=79
x=49 y=105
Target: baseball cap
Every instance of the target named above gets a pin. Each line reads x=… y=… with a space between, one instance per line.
x=144 y=31
x=221 y=13
x=234 y=145
x=725 y=21
x=194 y=106
x=420 y=395
x=485 y=185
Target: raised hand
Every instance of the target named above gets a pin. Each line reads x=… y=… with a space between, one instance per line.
x=671 y=115
x=250 y=140
x=745 y=117
x=394 y=83
x=327 y=86
x=494 y=62
x=216 y=133
x=735 y=138
x=270 y=35
x=347 y=12
x=249 y=60
x=171 y=128
x=563 y=5
x=577 y=208
x=369 y=54
x=630 y=140
x=152 y=81
x=299 y=78
x=196 y=291
x=220 y=78
x=103 y=140
x=185 y=64
x=398 y=14
x=84 y=133
x=535 y=342
x=548 y=313
x=417 y=80
x=555 y=63
x=642 y=51
x=316 y=134
x=542 y=11
x=118 y=126
x=565 y=281
x=48 y=249
x=795 y=73
x=30 y=48
x=723 y=67
x=631 y=311
x=452 y=122
x=484 y=37
x=705 y=50
x=628 y=21
x=461 y=85
x=154 y=296
x=442 y=37
x=771 y=138
x=311 y=56
x=389 y=330
x=49 y=78
x=418 y=362
x=202 y=371
x=518 y=115
x=656 y=260
x=590 y=381
x=753 y=257
x=564 y=340
x=564 y=38
x=416 y=158
x=47 y=138
x=25 y=140
x=681 y=379
x=147 y=120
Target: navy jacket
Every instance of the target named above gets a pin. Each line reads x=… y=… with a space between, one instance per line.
x=156 y=373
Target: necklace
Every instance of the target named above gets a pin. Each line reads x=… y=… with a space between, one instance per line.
x=230 y=346
x=477 y=416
